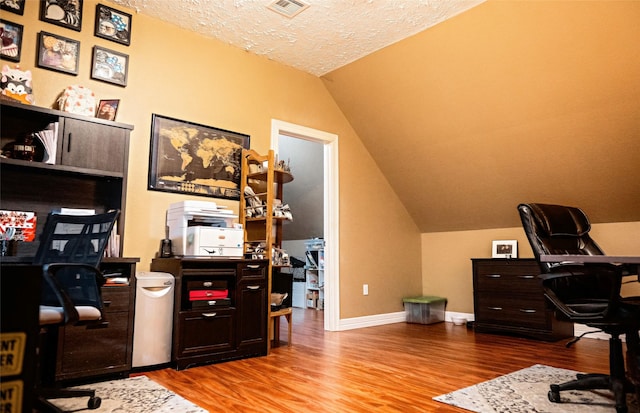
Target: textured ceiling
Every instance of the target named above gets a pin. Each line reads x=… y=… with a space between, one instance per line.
x=326 y=36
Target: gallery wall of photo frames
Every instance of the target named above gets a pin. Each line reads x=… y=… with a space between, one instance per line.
x=57 y=50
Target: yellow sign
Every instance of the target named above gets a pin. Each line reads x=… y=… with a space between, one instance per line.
x=12 y=347
x=11 y=396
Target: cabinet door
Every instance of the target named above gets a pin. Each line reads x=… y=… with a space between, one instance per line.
x=252 y=309
x=94 y=146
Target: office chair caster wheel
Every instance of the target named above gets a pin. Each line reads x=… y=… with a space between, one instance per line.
x=554 y=394
x=94 y=402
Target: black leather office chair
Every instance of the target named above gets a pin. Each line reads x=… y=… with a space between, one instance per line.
x=587 y=294
x=70 y=251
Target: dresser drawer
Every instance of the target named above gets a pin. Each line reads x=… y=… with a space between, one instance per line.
x=512 y=311
x=507 y=277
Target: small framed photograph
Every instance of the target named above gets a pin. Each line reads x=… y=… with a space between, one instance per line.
x=112 y=24
x=109 y=66
x=14 y=6
x=63 y=13
x=58 y=53
x=107 y=109
x=11 y=34
x=504 y=249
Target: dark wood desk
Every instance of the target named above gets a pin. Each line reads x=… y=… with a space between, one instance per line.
x=584 y=259
x=630 y=261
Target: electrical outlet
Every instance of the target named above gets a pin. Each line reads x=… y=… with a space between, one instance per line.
x=365 y=289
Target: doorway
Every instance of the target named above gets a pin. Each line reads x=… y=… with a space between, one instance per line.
x=330 y=214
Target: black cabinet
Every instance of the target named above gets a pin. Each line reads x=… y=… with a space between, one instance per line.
x=508 y=298
x=89 y=170
x=91 y=145
x=230 y=326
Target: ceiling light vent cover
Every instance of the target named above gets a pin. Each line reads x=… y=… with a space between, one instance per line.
x=289 y=8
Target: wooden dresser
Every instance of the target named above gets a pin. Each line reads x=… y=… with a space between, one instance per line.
x=508 y=298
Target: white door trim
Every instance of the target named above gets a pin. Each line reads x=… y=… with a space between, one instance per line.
x=331 y=211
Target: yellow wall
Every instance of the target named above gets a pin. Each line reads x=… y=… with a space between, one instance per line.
x=446 y=257
x=176 y=73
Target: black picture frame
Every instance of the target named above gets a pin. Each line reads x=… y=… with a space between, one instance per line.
x=112 y=24
x=11 y=40
x=176 y=163
x=58 y=53
x=62 y=13
x=107 y=109
x=14 y=6
x=109 y=66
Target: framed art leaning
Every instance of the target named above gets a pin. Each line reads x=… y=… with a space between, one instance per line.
x=187 y=157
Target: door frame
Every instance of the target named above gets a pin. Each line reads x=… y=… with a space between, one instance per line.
x=331 y=211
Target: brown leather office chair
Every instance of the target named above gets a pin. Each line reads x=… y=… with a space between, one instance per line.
x=70 y=251
x=587 y=294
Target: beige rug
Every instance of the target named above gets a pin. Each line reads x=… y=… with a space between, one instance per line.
x=525 y=391
x=132 y=395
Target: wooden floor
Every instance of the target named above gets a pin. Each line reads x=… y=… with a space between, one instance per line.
x=392 y=368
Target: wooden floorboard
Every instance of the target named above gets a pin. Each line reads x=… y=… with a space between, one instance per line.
x=391 y=368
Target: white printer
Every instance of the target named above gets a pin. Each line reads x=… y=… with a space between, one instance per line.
x=201 y=228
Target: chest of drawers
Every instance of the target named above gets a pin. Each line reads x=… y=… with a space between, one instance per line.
x=508 y=298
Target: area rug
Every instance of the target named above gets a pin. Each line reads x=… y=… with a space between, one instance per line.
x=525 y=391
x=133 y=395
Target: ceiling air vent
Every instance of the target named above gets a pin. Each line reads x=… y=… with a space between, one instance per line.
x=289 y=8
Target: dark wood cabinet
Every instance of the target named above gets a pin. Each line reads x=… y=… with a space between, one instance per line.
x=231 y=328
x=81 y=138
x=508 y=298
x=105 y=349
x=89 y=170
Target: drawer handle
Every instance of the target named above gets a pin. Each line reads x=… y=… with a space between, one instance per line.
x=493 y=275
x=209 y=315
x=253 y=287
x=526 y=277
x=207 y=284
x=495 y=308
x=106 y=303
x=528 y=311
x=104 y=324
x=253 y=266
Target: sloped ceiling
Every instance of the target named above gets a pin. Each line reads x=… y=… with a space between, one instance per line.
x=508 y=102
x=490 y=104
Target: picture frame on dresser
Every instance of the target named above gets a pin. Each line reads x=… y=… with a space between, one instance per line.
x=58 y=53
x=504 y=249
x=174 y=140
x=62 y=13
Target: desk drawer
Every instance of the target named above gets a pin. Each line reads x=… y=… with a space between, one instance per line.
x=116 y=299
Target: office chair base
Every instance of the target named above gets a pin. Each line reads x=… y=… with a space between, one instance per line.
x=45 y=405
x=595 y=381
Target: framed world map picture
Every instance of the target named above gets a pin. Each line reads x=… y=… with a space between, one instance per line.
x=187 y=157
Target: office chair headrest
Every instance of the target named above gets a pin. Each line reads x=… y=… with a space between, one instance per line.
x=558 y=220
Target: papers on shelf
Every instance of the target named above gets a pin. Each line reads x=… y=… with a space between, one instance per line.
x=49 y=139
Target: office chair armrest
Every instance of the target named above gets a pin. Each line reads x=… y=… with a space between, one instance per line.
x=61 y=291
x=609 y=273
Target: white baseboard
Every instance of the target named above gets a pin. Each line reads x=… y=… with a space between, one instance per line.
x=389 y=318
x=371 y=321
x=400 y=317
